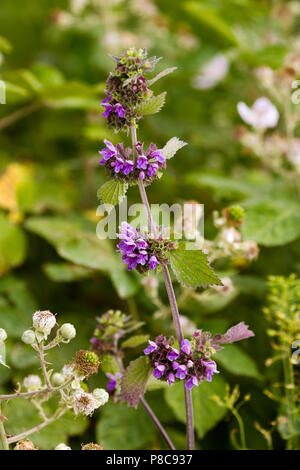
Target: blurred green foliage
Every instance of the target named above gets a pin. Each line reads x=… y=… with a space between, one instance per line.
x=54 y=64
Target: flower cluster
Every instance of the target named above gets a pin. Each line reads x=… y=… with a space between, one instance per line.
x=185 y=363
x=126 y=88
x=111 y=326
x=140 y=251
x=191 y=363
x=119 y=164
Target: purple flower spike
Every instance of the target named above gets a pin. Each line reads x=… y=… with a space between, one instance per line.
x=181 y=371
x=173 y=355
x=159 y=371
x=153 y=262
x=193 y=381
x=186 y=346
x=152 y=347
x=171 y=378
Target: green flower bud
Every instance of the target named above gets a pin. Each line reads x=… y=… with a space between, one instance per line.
x=3 y=335
x=28 y=337
x=58 y=379
x=67 y=331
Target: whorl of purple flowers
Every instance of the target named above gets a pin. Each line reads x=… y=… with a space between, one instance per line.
x=118 y=164
x=171 y=364
x=136 y=249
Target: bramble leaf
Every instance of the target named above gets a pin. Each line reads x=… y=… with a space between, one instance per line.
x=191 y=267
x=112 y=192
x=135 y=341
x=161 y=75
x=172 y=146
x=134 y=380
x=153 y=105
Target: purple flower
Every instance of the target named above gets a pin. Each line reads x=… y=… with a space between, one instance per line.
x=171 y=378
x=181 y=371
x=111 y=386
x=128 y=167
x=108 y=152
x=108 y=109
x=152 y=169
x=158 y=156
x=142 y=175
x=153 y=262
x=142 y=162
x=185 y=346
x=152 y=347
x=193 y=381
x=210 y=369
x=118 y=108
x=159 y=371
x=118 y=165
x=173 y=354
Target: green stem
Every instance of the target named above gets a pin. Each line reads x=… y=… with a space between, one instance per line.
x=241 y=428
x=290 y=401
x=3 y=438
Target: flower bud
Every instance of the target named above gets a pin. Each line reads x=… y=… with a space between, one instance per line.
x=101 y=396
x=43 y=322
x=62 y=446
x=28 y=337
x=32 y=383
x=67 y=331
x=3 y=335
x=58 y=379
x=24 y=445
x=91 y=446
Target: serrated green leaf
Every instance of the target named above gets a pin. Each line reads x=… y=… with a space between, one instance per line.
x=172 y=146
x=207 y=413
x=191 y=267
x=112 y=192
x=135 y=341
x=153 y=105
x=134 y=380
x=161 y=75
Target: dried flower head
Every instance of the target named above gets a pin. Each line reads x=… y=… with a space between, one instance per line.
x=25 y=445
x=91 y=446
x=87 y=362
x=85 y=403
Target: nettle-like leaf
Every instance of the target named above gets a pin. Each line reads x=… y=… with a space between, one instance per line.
x=135 y=341
x=153 y=105
x=161 y=75
x=134 y=380
x=172 y=146
x=191 y=267
x=112 y=192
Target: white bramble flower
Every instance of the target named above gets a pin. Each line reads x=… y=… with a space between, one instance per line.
x=43 y=322
x=28 y=337
x=62 y=446
x=3 y=335
x=261 y=116
x=226 y=288
x=85 y=403
x=211 y=73
x=32 y=383
x=101 y=396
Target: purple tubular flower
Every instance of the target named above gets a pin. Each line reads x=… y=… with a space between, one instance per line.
x=173 y=355
x=185 y=346
x=171 y=378
x=153 y=262
x=142 y=162
x=159 y=371
x=112 y=384
x=191 y=382
x=118 y=108
x=158 y=156
x=108 y=152
x=210 y=369
x=152 y=347
x=181 y=371
x=128 y=167
x=152 y=168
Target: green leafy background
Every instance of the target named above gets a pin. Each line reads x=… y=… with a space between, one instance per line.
x=55 y=65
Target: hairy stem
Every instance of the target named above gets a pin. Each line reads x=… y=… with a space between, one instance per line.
x=173 y=304
x=3 y=438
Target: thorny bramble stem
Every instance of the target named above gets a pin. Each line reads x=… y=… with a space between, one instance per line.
x=173 y=304
x=3 y=438
x=35 y=393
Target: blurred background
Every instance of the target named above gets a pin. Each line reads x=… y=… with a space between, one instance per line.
x=54 y=63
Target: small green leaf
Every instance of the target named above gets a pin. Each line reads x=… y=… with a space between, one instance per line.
x=66 y=272
x=135 y=341
x=191 y=267
x=134 y=380
x=236 y=361
x=153 y=105
x=172 y=146
x=161 y=75
x=112 y=192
